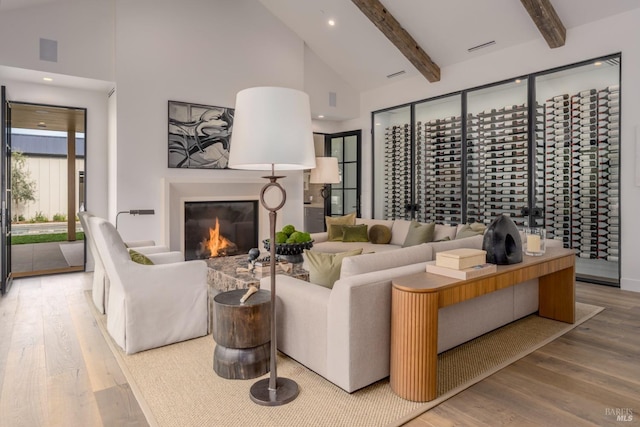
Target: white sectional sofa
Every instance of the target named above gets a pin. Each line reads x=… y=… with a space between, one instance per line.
x=399 y=229
x=343 y=333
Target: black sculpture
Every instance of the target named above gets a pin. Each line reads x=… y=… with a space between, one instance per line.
x=502 y=242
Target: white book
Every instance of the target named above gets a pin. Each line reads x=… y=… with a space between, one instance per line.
x=465 y=274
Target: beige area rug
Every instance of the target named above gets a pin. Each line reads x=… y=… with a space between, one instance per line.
x=176 y=385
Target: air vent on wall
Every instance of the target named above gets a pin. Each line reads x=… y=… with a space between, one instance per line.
x=481 y=46
x=613 y=62
x=399 y=73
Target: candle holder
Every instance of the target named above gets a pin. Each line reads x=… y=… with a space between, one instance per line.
x=535 y=241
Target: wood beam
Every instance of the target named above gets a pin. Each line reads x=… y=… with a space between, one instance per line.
x=547 y=21
x=391 y=28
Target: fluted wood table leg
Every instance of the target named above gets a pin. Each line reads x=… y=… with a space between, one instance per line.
x=414 y=344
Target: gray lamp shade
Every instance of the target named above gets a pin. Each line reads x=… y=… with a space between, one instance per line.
x=272 y=128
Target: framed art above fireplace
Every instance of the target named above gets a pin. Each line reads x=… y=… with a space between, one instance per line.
x=199 y=136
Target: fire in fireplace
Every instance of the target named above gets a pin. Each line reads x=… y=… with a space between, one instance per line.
x=220 y=228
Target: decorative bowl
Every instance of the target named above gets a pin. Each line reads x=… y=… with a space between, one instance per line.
x=291 y=252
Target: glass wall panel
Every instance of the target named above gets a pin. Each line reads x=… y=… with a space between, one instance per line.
x=473 y=155
x=581 y=163
x=438 y=161
x=392 y=161
x=497 y=148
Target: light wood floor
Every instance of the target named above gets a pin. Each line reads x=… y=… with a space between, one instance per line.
x=56 y=368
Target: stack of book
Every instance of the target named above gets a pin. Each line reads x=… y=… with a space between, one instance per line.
x=461 y=263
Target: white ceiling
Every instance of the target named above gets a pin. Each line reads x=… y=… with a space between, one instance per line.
x=445 y=29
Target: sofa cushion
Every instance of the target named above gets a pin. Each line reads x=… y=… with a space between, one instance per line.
x=443 y=231
x=335 y=233
x=380 y=234
x=355 y=233
x=349 y=219
x=419 y=233
x=399 y=231
x=469 y=230
x=324 y=268
x=474 y=242
x=367 y=263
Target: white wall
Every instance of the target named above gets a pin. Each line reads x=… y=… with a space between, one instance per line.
x=319 y=81
x=82 y=28
x=199 y=51
x=619 y=33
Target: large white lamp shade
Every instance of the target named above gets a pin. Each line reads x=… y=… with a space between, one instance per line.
x=272 y=128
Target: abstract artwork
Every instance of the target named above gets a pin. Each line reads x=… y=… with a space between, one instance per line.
x=199 y=135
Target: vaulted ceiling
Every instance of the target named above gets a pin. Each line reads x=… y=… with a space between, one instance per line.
x=444 y=29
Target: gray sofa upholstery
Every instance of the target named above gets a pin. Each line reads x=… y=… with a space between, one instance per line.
x=343 y=333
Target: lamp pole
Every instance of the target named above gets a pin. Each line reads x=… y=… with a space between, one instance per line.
x=273 y=391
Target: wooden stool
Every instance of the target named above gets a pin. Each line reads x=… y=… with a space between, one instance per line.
x=242 y=332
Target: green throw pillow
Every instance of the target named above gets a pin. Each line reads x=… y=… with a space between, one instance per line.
x=139 y=258
x=419 y=233
x=335 y=234
x=470 y=230
x=379 y=234
x=324 y=268
x=355 y=233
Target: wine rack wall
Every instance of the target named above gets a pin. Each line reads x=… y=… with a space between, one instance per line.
x=576 y=167
x=582 y=156
x=439 y=170
x=397 y=173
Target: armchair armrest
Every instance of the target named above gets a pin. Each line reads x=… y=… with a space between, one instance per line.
x=146 y=250
x=139 y=243
x=166 y=257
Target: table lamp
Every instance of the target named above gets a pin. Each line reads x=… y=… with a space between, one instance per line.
x=272 y=130
x=326 y=172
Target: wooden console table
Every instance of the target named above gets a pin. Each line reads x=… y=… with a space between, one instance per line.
x=416 y=299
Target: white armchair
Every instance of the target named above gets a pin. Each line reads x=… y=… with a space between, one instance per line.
x=150 y=305
x=100 y=288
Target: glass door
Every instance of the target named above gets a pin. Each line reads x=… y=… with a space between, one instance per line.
x=5 y=197
x=47 y=177
x=345 y=196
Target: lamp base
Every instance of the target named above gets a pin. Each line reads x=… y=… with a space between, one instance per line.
x=286 y=391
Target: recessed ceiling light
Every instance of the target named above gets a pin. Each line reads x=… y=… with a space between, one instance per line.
x=378 y=124
x=597 y=63
x=331 y=22
x=47 y=79
x=320 y=116
x=518 y=81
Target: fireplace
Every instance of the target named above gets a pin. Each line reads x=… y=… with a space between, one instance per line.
x=219 y=228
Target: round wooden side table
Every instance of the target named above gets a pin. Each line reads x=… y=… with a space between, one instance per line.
x=242 y=332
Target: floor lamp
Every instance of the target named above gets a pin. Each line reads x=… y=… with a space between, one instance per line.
x=326 y=172
x=272 y=130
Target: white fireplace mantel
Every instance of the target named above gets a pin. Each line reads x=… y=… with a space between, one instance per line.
x=233 y=185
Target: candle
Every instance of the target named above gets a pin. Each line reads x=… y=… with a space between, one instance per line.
x=533 y=243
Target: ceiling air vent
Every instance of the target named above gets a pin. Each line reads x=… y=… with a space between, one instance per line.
x=399 y=73
x=481 y=46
